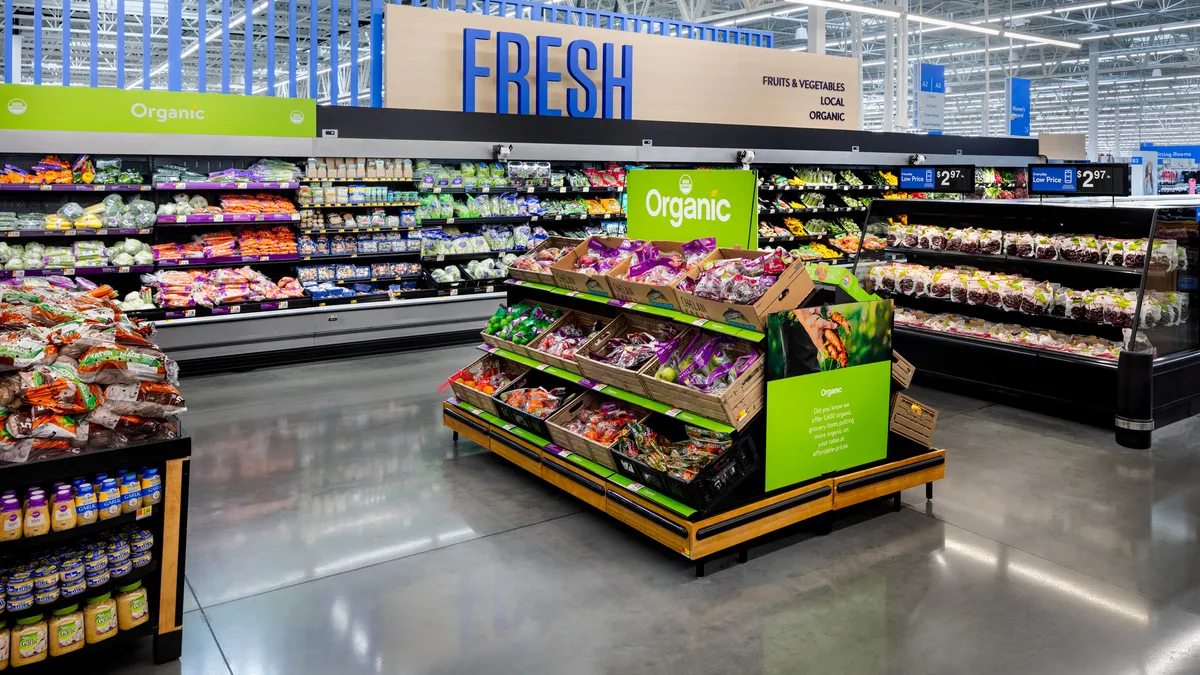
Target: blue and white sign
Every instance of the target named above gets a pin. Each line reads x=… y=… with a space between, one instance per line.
x=916 y=178
x=1016 y=105
x=929 y=100
x=1135 y=160
x=1052 y=179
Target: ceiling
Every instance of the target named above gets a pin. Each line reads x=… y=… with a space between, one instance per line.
x=1148 y=52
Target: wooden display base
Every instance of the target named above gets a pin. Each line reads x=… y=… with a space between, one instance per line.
x=696 y=535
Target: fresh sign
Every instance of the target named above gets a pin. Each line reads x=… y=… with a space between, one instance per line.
x=686 y=205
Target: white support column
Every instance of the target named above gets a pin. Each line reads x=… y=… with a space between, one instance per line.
x=987 y=78
x=889 y=77
x=856 y=36
x=14 y=57
x=1093 y=135
x=816 y=30
x=1116 y=149
x=903 y=114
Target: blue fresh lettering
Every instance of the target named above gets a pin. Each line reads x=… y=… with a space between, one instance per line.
x=625 y=82
x=589 y=88
x=505 y=77
x=545 y=76
x=470 y=70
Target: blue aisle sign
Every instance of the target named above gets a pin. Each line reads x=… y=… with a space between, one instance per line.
x=1172 y=151
x=1016 y=105
x=916 y=178
x=1052 y=179
x=929 y=100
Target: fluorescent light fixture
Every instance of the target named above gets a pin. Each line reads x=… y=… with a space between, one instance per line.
x=850 y=7
x=756 y=17
x=1039 y=39
x=953 y=24
x=1076 y=8
x=1136 y=31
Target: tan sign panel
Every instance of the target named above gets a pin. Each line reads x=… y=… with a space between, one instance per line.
x=596 y=72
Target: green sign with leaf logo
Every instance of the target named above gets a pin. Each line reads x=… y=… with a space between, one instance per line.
x=686 y=205
x=42 y=108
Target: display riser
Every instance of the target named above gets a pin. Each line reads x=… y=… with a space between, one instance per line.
x=704 y=534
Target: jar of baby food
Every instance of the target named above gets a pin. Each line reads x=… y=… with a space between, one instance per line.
x=109 y=499
x=11 y=519
x=20 y=603
x=140 y=559
x=140 y=541
x=4 y=644
x=29 y=643
x=70 y=570
x=151 y=486
x=19 y=583
x=86 y=509
x=131 y=493
x=95 y=560
x=132 y=607
x=37 y=517
x=120 y=569
x=100 y=618
x=97 y=579
x=66 y=630
x=72 y=589
x=117 y=550
x=45 y=596
x=45 y=576
x=63 y=516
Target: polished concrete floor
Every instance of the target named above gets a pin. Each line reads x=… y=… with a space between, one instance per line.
x=334 y=528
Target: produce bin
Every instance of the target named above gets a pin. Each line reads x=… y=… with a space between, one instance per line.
x=622 y=378
x=788 y=292
x=648 y=294
x=593 y=450
x=523 y=350
x=532 y=423
x=735 y=406
x=575 y=318
x=478 y=398
x=542 y=277
x=712 y=483
x=566 y=277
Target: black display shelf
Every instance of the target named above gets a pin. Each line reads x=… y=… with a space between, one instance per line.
x=814 y=211
x=794 y=239
x=87 y=658
x=221 y=310
x=461 y=257
x=360 y=256
x=356 y=230
x=18 y=547
x=138 y=574
x=372 y=280
x=489 y=220
x=63 y=468
x=363 y=205
x=1047 y=321
x=954 y=257
x=764 y=187
x=527 y=190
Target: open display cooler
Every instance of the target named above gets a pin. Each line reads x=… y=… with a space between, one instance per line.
x=1032 y=302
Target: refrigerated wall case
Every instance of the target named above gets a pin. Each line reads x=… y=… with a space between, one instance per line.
x=1029 y=302
x=251 y=334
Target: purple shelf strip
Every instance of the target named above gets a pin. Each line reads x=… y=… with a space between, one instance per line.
x=73 y=233
x=231 y=218
x=73 y=271
x=584 y=382
x=180 y=313
x=224 y=186
x=73 y=188
x=226 y=260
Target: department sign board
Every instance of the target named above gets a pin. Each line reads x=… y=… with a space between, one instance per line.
x=462 y=62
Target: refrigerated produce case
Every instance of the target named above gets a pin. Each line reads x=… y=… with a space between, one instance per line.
x=1031 y=302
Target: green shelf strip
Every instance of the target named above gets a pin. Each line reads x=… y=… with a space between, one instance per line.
x=680 y=317
x=609 y=390
x=576 y=459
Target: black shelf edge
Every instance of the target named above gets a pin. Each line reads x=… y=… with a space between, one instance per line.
x=524 y=190
x=357 y=256
x=1080 y=359
x=54 y=539
x=373 y=280
x=137 y=574
x=63 y=468
x=998 y=315
x=459 y=257
x=815 y=211
x=1019 y=260
x=763 y=187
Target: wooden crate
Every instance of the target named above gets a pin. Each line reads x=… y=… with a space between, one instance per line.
x=513 y=347
x=902 y=371
x=575 y=318
x=597 y=452
x=735 y=406
x=912 y=419
x=542 y=277
x=478 y=398
x=622 y=378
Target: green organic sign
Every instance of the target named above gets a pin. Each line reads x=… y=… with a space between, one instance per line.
x=685 y=205
x=829 y=375
x=41 y=108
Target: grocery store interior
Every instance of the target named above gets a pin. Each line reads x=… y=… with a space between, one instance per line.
x=503 y=336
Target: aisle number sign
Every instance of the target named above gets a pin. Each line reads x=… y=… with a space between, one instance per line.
x=686 y=205
x=42 y=108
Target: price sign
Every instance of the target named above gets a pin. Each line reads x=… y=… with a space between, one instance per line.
x=938 y=178
x=1097 y=180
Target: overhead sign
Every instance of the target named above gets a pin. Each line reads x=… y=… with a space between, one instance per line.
x=686 y=205
x=938 y=178
x=930 y=97
x=1016 y=105
x=456 y=61
x=42 y=108
x=1097 y=180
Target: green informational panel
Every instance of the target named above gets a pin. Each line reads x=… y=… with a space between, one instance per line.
x=828 y=389
x=686 y=205
x=42 y=108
